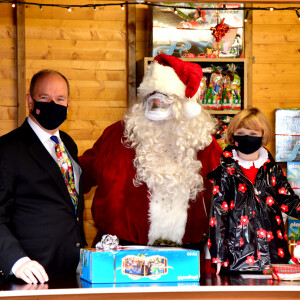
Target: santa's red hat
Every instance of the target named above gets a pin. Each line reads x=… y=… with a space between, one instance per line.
x=170 y=75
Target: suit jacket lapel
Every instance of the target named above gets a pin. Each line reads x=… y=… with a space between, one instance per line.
x=45 y=160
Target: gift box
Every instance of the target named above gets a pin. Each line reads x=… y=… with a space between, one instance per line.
x=293 y=174
x=293 y=233
x=284 y=271
x=287 y=133
x=85 y=284
x=139 y=264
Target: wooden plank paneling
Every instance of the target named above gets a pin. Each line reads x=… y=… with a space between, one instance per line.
x=108 y=13
x=8 y=75
x=75 y=50
x=21 y=63
x=277 y=72
x=57 y=29
x=276 y=44
x=119 y=65
x=131 y=53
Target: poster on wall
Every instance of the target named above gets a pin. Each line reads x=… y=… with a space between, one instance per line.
x=189 y=32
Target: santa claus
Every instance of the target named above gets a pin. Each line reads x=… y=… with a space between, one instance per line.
x=150 y=167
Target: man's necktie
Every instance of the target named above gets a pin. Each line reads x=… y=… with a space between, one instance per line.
x=66 y=169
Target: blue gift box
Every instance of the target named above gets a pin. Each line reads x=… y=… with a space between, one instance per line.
x=139 y=264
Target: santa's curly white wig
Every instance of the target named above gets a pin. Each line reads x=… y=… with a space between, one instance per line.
x=166 y=160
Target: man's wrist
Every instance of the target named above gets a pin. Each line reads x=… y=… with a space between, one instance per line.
x=19 y=263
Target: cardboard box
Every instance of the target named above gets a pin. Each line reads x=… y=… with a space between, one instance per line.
x=293 y=174
x=186 y=31
x=139 y=264
x=287 y=121
x=287 y=135
x=85 y=284
x=293 y=233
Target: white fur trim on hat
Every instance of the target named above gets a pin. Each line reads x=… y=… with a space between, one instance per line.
x=162 y=79
x=191 y=109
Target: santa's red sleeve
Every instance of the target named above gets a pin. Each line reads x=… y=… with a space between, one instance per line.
x=91 y=158
x=210 y=158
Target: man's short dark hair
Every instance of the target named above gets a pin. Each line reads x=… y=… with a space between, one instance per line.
x=42 y=73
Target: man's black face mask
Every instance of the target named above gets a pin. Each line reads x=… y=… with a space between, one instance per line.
x=49 y=114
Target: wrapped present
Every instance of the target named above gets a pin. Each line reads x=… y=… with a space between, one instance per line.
x=213 y=96
x=139 y=264
x=231 y=98
x=284 y=271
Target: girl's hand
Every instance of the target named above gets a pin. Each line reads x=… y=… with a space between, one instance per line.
x=219 y=265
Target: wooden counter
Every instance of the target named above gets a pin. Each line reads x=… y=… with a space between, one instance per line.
x=240 y=287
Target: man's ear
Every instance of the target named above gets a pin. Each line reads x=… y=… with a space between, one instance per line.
x=30 y=103
x=69 y=101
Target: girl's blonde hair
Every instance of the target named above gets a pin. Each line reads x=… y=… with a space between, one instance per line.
x=251 y=118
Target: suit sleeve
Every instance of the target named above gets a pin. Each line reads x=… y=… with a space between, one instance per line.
x=10 y=248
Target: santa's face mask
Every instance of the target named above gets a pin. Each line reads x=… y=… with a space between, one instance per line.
x=158 y=107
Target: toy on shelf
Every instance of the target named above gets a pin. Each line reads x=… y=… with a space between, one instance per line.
x=213 y=97
x=231 y=98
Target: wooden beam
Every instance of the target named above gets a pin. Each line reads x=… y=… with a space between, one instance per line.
x=21 y=63
x=131 y=56
x=248 y=53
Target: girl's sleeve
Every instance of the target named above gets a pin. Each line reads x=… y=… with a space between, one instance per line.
x=289 y=202
x=219 y=215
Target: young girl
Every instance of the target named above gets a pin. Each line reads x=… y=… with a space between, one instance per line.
x=250 y=191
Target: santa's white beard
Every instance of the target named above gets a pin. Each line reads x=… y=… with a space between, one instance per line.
x=166 y=160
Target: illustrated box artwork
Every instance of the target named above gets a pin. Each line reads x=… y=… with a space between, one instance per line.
x=293 y=174
x=142 y=264
x=287 y=135
x=187 y=32
x=293 y=233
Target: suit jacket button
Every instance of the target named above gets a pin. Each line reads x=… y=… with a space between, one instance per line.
x=77 y=245
x=77 y=219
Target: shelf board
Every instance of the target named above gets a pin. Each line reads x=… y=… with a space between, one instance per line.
x=222 y=112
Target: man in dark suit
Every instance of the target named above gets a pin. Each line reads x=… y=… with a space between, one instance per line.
x=41 y=212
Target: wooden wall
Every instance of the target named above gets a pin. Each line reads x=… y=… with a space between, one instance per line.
x=89 y=47
x=276 y=55
x=8 y=95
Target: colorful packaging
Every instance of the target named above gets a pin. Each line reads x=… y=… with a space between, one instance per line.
x=215 y=89
x=231 y=98
x=139 y=264
x=293 y=174
x=293 y=233
x=203 y=87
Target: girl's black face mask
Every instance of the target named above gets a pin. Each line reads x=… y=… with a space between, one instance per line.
x=49 y=114
x=247 y=144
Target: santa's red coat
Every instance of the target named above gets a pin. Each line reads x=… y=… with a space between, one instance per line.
x=120 y=208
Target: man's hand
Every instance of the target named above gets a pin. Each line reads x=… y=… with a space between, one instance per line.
x=31 y=272
x=219 y=265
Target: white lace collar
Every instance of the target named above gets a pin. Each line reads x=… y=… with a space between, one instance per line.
x=262 y=158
